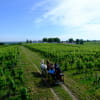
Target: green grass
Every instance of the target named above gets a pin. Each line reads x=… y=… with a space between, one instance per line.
x=63 y=95
x=40 y=87
x=81 y=88
x=36 y=88
x=62 y=53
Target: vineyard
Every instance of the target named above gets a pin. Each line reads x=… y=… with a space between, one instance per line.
x=79 y=62
x=11 y=74
x=20 y=77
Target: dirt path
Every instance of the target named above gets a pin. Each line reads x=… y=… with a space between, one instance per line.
x=69 y=92
x=24 y=50
x=29 y=55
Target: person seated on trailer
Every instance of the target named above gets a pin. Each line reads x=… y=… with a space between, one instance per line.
x=43 y=67
x=51 y=71
x=57 y=71
x=49 y=64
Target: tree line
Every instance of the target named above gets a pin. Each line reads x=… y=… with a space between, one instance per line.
x=51 y=40
x=77 y=41
x=71 y=40
x=57 y=40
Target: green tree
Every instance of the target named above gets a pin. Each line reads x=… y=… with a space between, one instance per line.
x=45 y=40
x=81 y=41
x=27 y=41
x=30 y=41
x=57 y=40
x=71 y=40
x=50 y=40
x=1 y=43
x=77 y=41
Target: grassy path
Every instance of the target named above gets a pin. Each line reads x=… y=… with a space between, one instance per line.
x=32 y=79
x=55 y=93
x=69 y=92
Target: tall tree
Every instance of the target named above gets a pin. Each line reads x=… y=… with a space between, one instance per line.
x=50 y=40
x=30 y=41
x=81 y=41
x=77 y=41
x=57 y=40
x=71 y=40
x=45 y=40
x=27 y=41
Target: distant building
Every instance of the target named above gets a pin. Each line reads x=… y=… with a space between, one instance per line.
x=66 y=42
x=39 y=41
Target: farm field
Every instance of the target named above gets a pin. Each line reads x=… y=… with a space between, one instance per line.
x=11 y=74
x=80 y=63
x=20 y=75
x=49 y=49
x=29 y=85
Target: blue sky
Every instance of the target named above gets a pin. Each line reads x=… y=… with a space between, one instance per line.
x=35 y=19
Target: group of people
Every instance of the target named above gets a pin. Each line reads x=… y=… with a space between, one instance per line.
x=52 y=69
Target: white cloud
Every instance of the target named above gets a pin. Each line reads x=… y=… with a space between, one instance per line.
x=74 y=12
x=39 y=4
x=89 y=31
x=46 y=5
x=85 y=36
x=93 y=31
x=82 y=14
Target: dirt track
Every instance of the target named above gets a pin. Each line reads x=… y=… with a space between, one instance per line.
x=29 y=54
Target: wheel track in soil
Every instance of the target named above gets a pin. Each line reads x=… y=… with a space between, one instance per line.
x=31 y=62
x=62 y=85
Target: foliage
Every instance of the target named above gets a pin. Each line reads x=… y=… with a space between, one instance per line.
x=24 y=94
x=51 y=40
x=80 y=61
x=79 y=41
x=71 y=40
x=2 y=43
x=45 y=40
x=9 y=72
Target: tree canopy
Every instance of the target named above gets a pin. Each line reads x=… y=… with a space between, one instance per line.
x=51 y=40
